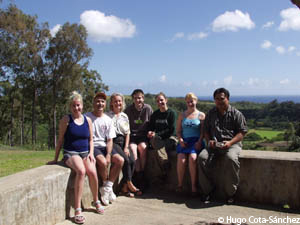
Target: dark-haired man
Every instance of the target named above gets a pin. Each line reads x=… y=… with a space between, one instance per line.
x=219 y=166
x=139 y=115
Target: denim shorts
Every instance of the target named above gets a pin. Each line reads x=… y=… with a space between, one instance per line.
x=69 y=154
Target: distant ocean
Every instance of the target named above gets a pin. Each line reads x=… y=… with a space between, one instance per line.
x=259 y=99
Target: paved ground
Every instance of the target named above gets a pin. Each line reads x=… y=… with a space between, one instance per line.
x=168 y=209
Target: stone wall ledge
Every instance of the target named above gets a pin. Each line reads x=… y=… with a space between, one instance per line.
x=44 y=195
x=39 y=196
x=266 y=177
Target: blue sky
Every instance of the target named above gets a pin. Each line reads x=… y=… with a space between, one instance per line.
x=249 y=47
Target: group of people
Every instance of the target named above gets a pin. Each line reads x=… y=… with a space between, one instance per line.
x=210 y=145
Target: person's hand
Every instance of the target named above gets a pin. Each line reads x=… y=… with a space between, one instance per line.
x=108 y=158
x=52 y=162
x=91 y=158
x=150 y=134
x=182 y=143
x=226 y=144
x=126 y=151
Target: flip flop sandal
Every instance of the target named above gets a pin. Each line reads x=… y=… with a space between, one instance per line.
x=137 y=192
x=127 y=194
x=79 y=218
x=99 y=207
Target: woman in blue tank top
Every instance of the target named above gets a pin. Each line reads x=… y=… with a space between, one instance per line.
x=76 y=138
x=189 y=132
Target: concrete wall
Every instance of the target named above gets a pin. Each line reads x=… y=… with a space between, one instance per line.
x=265 y=177
x=44 y=195
x=270 y=178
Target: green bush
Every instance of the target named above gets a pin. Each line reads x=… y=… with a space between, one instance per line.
x=253 y=137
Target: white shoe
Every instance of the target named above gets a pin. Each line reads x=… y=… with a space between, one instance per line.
x=105 y=194
x=112 y=196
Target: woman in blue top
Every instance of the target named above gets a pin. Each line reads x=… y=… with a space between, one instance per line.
x=189 y=132
x=76 y=138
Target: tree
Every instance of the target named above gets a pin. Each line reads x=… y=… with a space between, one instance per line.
x=67 y=50
x=23 y=43
x=253 y=137
x=289 y=133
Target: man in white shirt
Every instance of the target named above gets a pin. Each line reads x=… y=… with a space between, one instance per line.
x=104 y=153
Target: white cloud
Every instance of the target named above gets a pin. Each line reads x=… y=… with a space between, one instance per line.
x=268 y=25
x=291 y=19
x=54 y=30
x=280 y=49
x=163 y=79
x=266 y=44
x=285 y=82
x=232 y=21
x=253 y=81
x=291 y=48
x=196 y=36
x=256 y=82
x=102 y=28
x=228 y=80
x=178 y=35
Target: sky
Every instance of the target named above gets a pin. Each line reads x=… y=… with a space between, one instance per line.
x=249 y=47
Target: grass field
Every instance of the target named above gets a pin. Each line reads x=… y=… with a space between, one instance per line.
x=269 y=134
x=13 y=161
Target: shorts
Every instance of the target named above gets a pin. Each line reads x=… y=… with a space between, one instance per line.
x=69 y=154
x=190 y=148
x=138 y=139
x=102 y=151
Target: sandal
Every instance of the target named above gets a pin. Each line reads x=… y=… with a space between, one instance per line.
x=137 y=192
x=99 y=207
x=127 y=194
x=79 y=218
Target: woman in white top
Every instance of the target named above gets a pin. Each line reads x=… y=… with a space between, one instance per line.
x=121 y=143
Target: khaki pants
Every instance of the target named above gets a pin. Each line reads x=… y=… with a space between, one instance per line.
x=162 y=147
x=219 y=170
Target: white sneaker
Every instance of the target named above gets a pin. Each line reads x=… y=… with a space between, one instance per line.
x=105 y=194
x=112 y=196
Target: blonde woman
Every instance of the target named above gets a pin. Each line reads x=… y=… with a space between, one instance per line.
x=76 y=138
x=121 y=143
x=189 y=132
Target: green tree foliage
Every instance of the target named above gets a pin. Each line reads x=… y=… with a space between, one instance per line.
x=67 y=52
x=289 y=133
x=38 y=73
x=253 y=137
x=22 y=46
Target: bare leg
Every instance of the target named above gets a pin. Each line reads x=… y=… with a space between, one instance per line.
x=102 y=167
x=193 y=170
x=93 y=177
x=76 y=163
x=181 y=164
x=117 y=164
x=142 y=148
